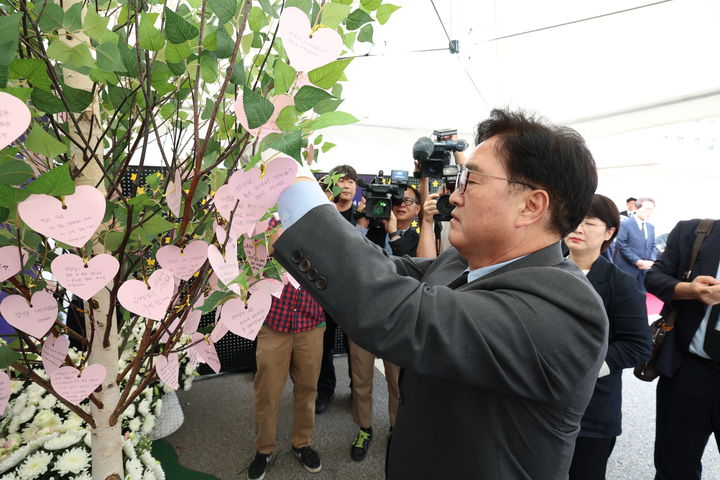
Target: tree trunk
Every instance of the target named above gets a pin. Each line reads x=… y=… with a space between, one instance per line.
x=106 y=440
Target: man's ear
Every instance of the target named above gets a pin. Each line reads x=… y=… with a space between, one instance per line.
x=534 y=207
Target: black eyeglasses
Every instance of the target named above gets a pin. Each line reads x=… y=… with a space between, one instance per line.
x=463 y=173
x=408 y=201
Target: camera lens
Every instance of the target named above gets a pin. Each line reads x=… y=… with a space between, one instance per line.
x=444 y=206
x=379 y=208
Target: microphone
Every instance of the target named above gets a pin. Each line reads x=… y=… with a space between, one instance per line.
x=423 y=148
x=361 y=183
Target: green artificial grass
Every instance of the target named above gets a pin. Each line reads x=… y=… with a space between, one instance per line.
x=165 y=453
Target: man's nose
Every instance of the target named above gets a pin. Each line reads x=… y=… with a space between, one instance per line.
x=456 y=198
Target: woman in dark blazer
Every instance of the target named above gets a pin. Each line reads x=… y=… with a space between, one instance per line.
x=628 y=342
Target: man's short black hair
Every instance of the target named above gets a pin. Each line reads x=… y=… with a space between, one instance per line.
x=347 y=171
x=631 y=199
x=607 y=212
x=551 y=157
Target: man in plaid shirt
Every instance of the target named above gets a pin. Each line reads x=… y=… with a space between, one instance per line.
x=290 y=341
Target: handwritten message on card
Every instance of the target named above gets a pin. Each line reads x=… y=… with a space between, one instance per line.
x=270 y=285
x=34 y=318
x=75 y=386
x=244 y=319
x=204 y=352
x=183 y=262
x=225 y=267
x=73 y=223
x=14 y=118
x=11 y=261
x=54 y=351
x=151 y=302
x=256 y=255
x=84 y=279
x=174 y=194
x=307 y=52
x=168 y=369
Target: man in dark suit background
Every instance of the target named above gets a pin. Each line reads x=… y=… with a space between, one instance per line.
x=500 y=338
x=630 y=207
x=635 y=249
x=688 y=392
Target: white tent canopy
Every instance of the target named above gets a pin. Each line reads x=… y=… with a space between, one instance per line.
x=612 y=69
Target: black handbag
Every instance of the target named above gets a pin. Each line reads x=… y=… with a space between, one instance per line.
x=663 y=326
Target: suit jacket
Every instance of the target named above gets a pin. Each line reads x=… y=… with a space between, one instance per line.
x=667 y=272
x=632 y=246
x=629 y=345
x=498 y=372
x=407 y=244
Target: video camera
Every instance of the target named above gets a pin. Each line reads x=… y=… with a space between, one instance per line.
x=380 y=197
x=443 y=204
x=433 y=156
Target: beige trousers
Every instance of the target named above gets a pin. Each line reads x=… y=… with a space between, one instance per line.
x=363 y=366
x=278 y=354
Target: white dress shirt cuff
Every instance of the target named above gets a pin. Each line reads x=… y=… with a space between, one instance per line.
x=298 y=199
x=604 y=370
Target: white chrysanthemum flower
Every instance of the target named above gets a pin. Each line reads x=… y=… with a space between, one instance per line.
x=149 y=475
x=134 y=424
x=15 y=386
x=144 y=408
x=19 y=404
x=133 y=468
x=46 y=419
x=153 y=464
x=73 y=422
x=129 y=412
x=48 y=401
x=148 y=424
x=10 y=476
x=35 y=392
x=189 y=368
x=83 y=476
x=158 y=407
x=35 y=465
x=148 y=393
x=27 y=414
x=187 y=383
x=16 y=457
x=74 y=460
x=64 y=441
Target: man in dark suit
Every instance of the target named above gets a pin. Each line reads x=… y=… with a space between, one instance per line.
x=630 y=205
x=688 y=392
x=635 y=249
x=500 y=338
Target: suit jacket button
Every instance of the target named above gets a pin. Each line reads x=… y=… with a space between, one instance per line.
x=321 y=283
x=296 y=256
x=304 y=265
x=312 y=274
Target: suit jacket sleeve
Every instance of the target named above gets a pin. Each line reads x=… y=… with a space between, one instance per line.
x=630 y=343
x=653 y=247
x=663 y=277
x=624 y=240
x=531 y=332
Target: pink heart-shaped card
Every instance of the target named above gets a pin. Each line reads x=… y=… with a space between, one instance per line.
x=264 y=192
x=279 y=102
x=74 y=224
x=54 y=351
x=192 y=322
x=225 y=267
x=168 y=369
x=244 y=319
x=35 y=318
x=245 y=216
x=11 y=261
x=287 y=278
x=270 y=285
x=183 y=263
x=84 y=279
x=174 y=194
x=74 y=385
x=218 y=332
x=151 y=302
x=14 y=118
x=307 y=52
x=4 y=391
x=256 y=255
x=169 y=330
x=204 y=351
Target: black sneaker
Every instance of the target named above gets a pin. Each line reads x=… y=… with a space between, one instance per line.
x=322 y=403
x=360 y=446
x=309 y=458
x=258 y=467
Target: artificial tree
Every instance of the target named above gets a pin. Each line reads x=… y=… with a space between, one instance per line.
x=203 y=88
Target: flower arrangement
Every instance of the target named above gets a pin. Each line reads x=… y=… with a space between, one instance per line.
x=41 y=439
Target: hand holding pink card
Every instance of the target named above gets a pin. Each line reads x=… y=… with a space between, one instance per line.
x=11 y=261
x=54 y=351
x=14 y=118
x=34 y=318
x=74 y=223
x=74 y=385
x=84 y=279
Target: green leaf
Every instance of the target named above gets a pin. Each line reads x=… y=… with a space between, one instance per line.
x=20 y=92
x=47 y=102
x=9 y=33
x=14 y=172
x=8 y=356
x=327 y=146
x=77 y=99
x=366 y=34
x=216 y=298
x=109 y=58
x=55 y=182
x=268 y=7
x=31 y=69
x=73 y=18
x=10 y=196
x=150 y=37
x=333 y=14
x=370 y=5
x=327 y=105
x=384 y=12
x=357 y=19
x=225 y=44
x=307 y=97
x=113 y=240
x=39 y=141
x=258 y=109
x=52 y=17
x=238 y=74
x=208 y=68
x=95 y=25
x=4 y=72
x=177 y=52
x=304 y=5
x=77 y=56
x=349 y=40
x=327 y=75
x=288 y=143
x=177 y=29
x=257 y=19
x=284 y=77
x=330 y=119
x=288 y=118
x=224 y=9
x=156 y=225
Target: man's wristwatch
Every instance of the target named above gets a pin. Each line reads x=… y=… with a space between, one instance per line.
x=396 y=232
